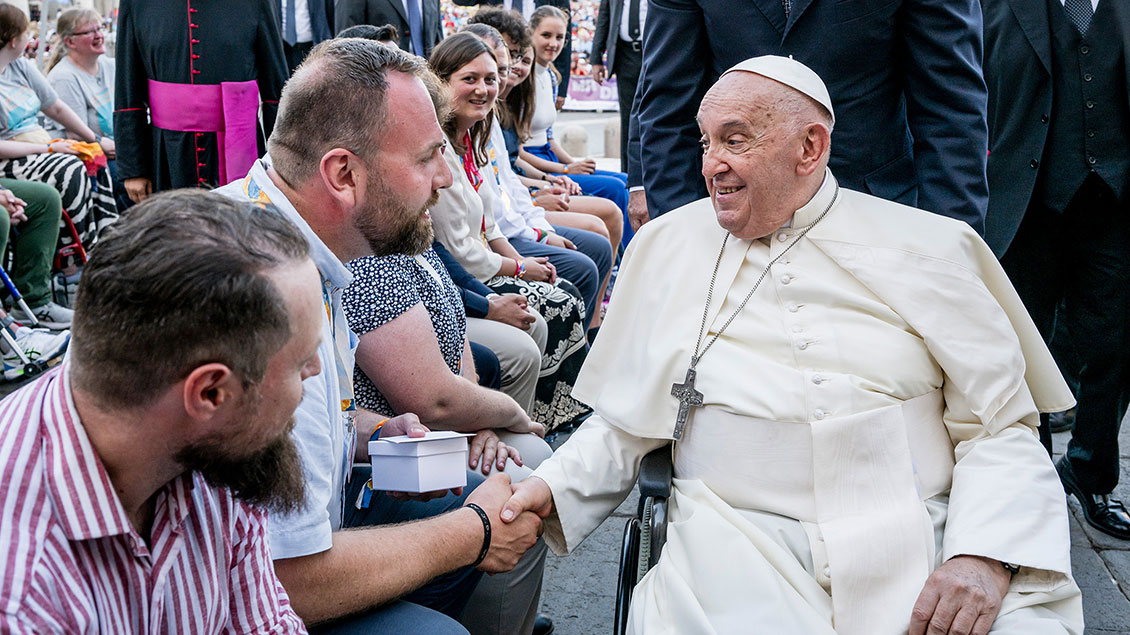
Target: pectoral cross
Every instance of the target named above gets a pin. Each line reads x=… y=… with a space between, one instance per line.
x=688 y=398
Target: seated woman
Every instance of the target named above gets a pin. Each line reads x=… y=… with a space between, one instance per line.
x=414 y=356
x=540 y=149
x=584 y=258
x=83 y=77
x=557 y=194
x=465 y=224
x=26 y=151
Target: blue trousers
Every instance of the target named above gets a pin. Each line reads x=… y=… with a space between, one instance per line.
x=445 y=596
x=610 y=185
x=585 y=267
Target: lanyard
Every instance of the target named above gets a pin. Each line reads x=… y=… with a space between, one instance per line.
x=341 y=346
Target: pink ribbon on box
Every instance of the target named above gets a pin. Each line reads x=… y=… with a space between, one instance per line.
x=229 y=109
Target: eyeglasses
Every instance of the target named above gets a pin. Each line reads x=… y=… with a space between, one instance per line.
x=96 y=29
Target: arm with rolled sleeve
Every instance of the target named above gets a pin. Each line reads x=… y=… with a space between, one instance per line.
x=947 y=106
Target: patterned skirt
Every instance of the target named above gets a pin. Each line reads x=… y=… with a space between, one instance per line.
x=565 y=348
x=88 y=201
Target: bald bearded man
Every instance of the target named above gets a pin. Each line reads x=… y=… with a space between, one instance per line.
x=854 y=444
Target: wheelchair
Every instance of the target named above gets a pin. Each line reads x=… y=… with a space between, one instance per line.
x=645 y=534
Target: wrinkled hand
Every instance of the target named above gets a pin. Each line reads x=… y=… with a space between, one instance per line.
x=961 y=597
x=559 y=241
x=637 y=209
x=492 y=450
x=512 y=309
x=138 y=189
x=581 y=166
x=540 y=269
x=14 y=205
x=108 y=147
x=599 y=74
x=531 y=495
x=510 y=539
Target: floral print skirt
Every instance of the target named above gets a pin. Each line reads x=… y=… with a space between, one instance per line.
x=565 y=349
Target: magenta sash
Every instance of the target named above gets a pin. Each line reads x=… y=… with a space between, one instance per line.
x=230 y=109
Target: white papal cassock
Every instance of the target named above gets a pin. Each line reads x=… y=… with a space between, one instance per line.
x=870 y=414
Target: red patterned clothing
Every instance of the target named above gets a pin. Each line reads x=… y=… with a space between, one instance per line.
x=72 y=563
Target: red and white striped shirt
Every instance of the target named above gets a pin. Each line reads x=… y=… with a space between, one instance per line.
x=70 y=562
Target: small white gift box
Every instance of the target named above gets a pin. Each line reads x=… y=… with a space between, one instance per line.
x=436 y=461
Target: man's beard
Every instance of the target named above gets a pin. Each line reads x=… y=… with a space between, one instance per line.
x=392 y=227
x=270 y=477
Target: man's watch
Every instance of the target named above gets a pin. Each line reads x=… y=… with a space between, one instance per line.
x=1011 y=568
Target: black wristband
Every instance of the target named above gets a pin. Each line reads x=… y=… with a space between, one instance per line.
x=486 y=533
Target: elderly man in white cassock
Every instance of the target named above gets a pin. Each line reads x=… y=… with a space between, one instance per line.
x=850 y=387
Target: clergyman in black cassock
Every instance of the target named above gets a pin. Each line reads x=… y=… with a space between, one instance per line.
x=187 y=78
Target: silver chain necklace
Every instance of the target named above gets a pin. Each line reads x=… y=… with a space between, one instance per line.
x=685 y=392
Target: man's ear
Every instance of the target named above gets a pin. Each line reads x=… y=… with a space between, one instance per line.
x=343 y=174
x=814 y=145
x=210 y=390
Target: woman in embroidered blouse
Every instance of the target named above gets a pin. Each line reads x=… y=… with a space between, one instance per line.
x=464 y=224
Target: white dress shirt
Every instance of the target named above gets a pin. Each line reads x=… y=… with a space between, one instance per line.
x=624 y=35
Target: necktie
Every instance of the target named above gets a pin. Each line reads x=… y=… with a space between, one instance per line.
x=788 y=5
x=416 y=28
x=1080 y=13
x=634 y=20
x=291 y=35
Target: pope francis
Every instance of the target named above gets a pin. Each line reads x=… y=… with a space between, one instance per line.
x=850 y=389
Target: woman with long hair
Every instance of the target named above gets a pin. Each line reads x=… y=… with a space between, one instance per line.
x=581 y=257
x=465 y=225
x=540 y=149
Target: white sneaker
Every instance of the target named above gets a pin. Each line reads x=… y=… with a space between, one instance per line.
x=50 y=315
x=42 y=347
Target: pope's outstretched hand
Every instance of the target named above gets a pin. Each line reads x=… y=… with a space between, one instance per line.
x=961 y=597
x=531 y=495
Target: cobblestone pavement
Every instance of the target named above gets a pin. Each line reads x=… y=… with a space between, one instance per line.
x=579 y=591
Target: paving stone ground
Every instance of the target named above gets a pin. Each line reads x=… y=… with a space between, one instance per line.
x=579 y=591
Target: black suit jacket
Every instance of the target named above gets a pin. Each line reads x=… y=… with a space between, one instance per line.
x=904 y=77
x=321 y=17
x=564 y=63
x=1018 y=69
x=381 y=12
x=606 y=37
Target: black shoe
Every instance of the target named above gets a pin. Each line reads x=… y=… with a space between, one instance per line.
x=1062 y=421
x=1102 y=512
x=542 y=625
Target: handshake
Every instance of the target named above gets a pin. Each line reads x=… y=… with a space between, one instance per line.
x=515 y=513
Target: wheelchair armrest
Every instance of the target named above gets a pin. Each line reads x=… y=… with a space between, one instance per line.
x=655 y=473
